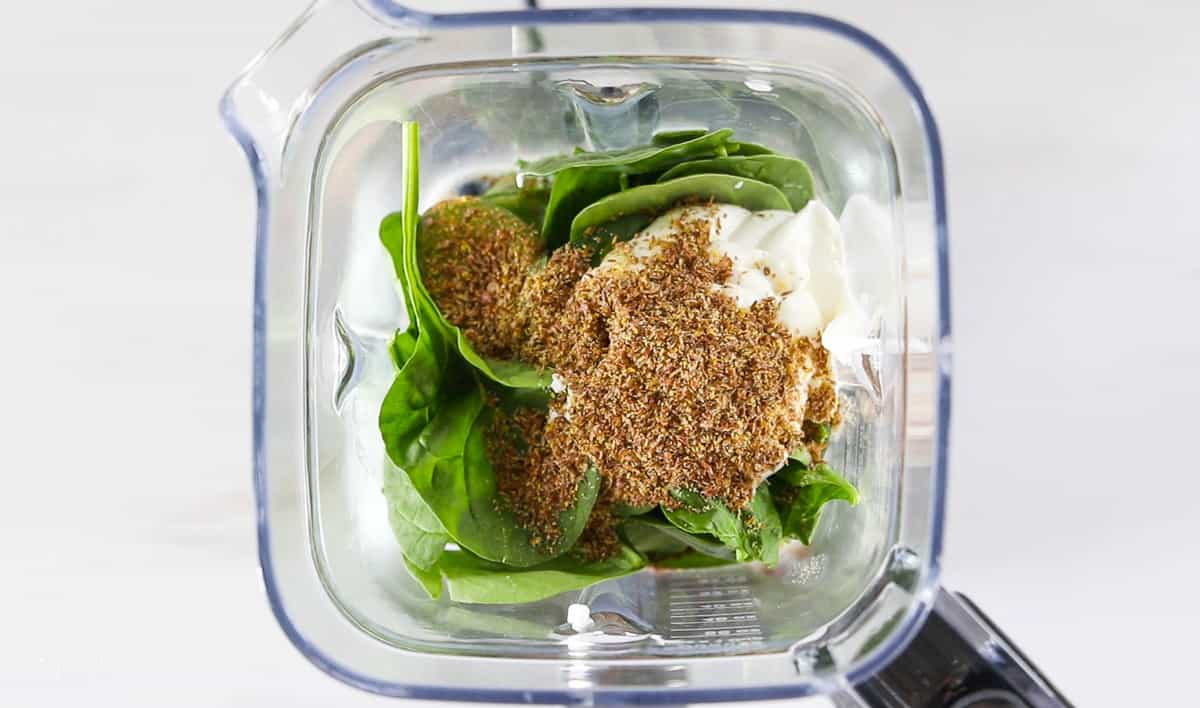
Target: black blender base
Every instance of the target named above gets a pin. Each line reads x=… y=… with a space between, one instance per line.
x=960 y=659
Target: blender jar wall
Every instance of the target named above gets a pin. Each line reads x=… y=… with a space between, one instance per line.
x=320 y=135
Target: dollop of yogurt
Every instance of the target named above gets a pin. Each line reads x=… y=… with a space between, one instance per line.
x=795 y=258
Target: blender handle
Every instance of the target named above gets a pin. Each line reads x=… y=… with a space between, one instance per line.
x=959 y=659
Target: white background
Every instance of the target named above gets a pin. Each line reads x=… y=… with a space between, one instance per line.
x=127 y=566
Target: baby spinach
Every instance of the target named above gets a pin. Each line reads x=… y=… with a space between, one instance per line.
x=626 y=510
x=528 y=202
x=790 y=175
x=585 y=177
x=635 y=160
x=574 y=189
x=433 y=420
x=672 y=137
x=747 y=149
x=652 y=535
x=418 y=530
x=801 y=455
x=801 y=493
x=398 y=232
x=402 y=346
x=733 y=147
x=654 y=198
x=753 y=533
x=470 y=578
x=649 y=542
x=430 y=579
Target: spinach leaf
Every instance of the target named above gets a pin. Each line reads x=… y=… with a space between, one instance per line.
x=574 y=189
x=671 y=137
x=421 y=535
x=398 y=232
x=514 y=374
x=738 y=147
x=528 y=203
x=790 y=175
x=391 y=233
x=402 y=346
x=585 y=177
x=430 y=579
x=621 y=509
x=433 y=428
x=748 y=149
x=653 y=198
x=800 y=494
x=650 y=535
x=470 y=578
x=801 y=455
x=510 y=399
x=753 y=533
x=635 y=160
x=649 y=542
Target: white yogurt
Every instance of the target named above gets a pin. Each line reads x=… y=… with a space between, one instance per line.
x=795 y=258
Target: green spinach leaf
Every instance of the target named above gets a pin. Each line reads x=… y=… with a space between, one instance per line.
x=790 y=175
x=575 y=188
x=430 y=579
x=420 y=533
x=433 y=429
x=528 y=203
x=649 y=542
x=650 y=535
x=734 y=147
x=626 y=510
x=748 y=149
x=800 y=493
x=402 y=346
x=635 y=160
x=585 y=177
x=470 y=578
x=672 y=137
x=648 y=200
x=801 y=455
x=753 y=533
x=398 y=232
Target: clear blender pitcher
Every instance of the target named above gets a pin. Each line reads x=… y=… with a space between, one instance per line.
x=858 y=614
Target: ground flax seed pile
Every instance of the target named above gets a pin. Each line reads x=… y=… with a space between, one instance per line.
x=668 y=383
x=474 y=258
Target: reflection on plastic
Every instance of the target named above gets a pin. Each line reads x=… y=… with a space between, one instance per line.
x=583 y=674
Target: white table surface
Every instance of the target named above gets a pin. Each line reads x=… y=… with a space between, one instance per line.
x=128 y=556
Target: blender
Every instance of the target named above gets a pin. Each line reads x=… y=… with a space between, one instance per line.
x=858 y=614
